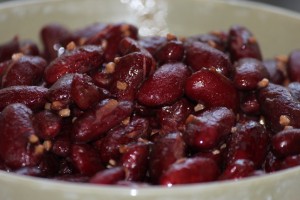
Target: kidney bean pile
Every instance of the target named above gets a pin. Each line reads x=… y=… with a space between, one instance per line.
x=103 y=105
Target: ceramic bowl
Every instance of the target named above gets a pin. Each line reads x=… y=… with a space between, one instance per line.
x=277 y=31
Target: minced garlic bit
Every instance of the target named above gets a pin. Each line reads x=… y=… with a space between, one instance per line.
x=117 y=59
x=284 y=120
x=126 y=121
x=47 y=106
x=199 y=107
x=33 y=138
x=82 y=41
x=190 y=118
x=121 y=85
x=47 y=145
x=170 y=36
x=223 y=146
x=56 y=105
x=215 y=152
x=123 y=149
x=104 y=44
x=211 y=43
x=71 y=46
x=252 y=40
x=233 y=129
x=39 y=149
x=66 y=112
x=282 y=58
x=263 y=83
x=110 y=67
x=17 y=56
x=112 y=162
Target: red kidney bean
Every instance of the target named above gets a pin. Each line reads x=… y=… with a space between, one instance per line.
x=286 y=142
x=135 y=160
x=240 y=144
x=165 y=86
x=49 y=165
x=3 y=67
x=86 y=159
x=200 y=55
x=293 y=66
x=66 y=167
x=32 y=96
x=271 y=163
x=238 y=169
x=130 y=71
x=108 y=176
x=74 y=178
x=172 y=118
x=276 y=103
x=249 y=103
x=217 y=154
x=276 y=70
x=152 y=43
x=109 y=145
x=171 y=51
x=242 y=44
x=27 y=70
x=102 y=79
x=9 y=48
x=212 y=89
x=51 y=35
x=84 y=92
x=30 y=171
x=208 y=129
x=47 y=124
x=28 y=47
x=190 y=170
x=61 y=145
x=80 y=60
x=110 y=37
x=166 y=149
x=97 y=121
x=290 y=161
x=16 y=128
x=294 y=89
x=248 y=73
x=59 y=94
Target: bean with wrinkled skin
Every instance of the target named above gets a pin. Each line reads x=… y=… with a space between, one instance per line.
x=28 y=70
x=32 y=96
x=97 y=121
x=212 y=89
x=165 y=86
x=16 y=127
x=190 y=170
x=206 y=130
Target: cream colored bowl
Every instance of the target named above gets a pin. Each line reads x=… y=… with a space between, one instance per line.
x=277 y=30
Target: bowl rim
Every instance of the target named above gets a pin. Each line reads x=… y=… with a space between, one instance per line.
x=151 y=190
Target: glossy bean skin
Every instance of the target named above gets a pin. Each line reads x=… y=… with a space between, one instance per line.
x=28 y=70
x=190 y=170
x=208 y=129
x=200 y=55
x=286 y=142
x=112 y=35
x=135 y=159
x=85 y=159
x=290 y=161
x=16 y=127
x=275 y=101
x=165 y=86
x=293 y=65
x=84 y=92
x=47 y=124
x=109 y=146
x=240 y=144
x=32 y=96
x=8 y=49
x=242 y=44
x=104 y=116
x=249 y=103
x=274 y=68
x=108 y=176
x=238 y=169
x=80 y=60
x=248 y=73
x=166 y=150
x=212 y=89
x=61 y=145
x=171 y=51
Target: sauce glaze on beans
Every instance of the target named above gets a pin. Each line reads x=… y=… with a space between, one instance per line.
x=103 y=105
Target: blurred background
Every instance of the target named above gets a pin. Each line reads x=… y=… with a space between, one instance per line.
x=288 y=4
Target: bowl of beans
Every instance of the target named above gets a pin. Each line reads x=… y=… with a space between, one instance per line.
x=158 y=99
